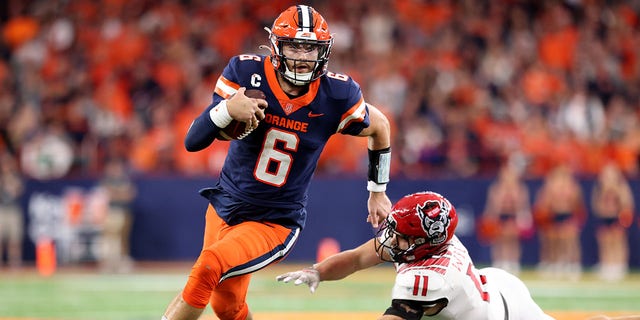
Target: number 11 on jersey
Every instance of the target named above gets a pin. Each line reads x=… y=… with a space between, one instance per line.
x=421 y=283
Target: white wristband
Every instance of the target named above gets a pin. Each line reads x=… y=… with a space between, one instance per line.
x=376 y=187
x=220 y=115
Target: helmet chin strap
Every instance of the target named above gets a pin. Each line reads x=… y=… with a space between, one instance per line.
x=298 y=79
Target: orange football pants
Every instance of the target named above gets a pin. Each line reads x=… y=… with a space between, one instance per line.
x=229 y=255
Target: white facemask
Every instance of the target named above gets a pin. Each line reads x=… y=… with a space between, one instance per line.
x=298 y=79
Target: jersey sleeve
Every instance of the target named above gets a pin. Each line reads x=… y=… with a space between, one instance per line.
x=203 y=131
x=228 y=83
x=356 y=117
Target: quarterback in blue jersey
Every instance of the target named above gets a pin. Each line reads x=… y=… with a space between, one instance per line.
x=257 y=207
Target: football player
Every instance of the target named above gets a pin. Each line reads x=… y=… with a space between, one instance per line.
x=257 y=207
x=436 y=277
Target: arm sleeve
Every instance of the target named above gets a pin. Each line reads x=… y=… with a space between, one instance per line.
x=201 y=133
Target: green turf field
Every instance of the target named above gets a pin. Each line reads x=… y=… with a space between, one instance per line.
x=144 y=293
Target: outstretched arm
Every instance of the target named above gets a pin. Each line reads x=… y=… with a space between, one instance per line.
x=335 y=267
x=342 y=264
x=379 y=134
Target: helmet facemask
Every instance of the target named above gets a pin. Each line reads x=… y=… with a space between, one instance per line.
x=388 y=242
x=419 y=226
x=303 y=28
x=320 y=63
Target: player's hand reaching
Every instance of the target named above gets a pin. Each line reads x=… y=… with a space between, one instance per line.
x=308 y=276
x=379 y=207
x=246 y=109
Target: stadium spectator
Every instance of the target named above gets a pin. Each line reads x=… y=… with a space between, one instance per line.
x=120 y=192
x=48 y=153
x=100 y=67
x=560 y=211
x=613 y=207
x=258 y=205
x=11 y=215
x=508 y=210
x=435 y=274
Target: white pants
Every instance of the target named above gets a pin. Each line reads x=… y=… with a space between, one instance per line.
x=518 y=299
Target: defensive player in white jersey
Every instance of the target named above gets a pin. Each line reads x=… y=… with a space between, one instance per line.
x=436 y=278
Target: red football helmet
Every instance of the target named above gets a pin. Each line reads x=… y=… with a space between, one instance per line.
x=425 y=221
x=300 y=25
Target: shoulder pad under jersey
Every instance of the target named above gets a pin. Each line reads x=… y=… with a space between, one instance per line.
x=340 y=86
x=420 y=284
x=244 y=64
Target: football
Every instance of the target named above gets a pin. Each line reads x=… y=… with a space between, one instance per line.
x=237 y=130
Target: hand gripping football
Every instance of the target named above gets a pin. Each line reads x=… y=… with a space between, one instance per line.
x=237 y=130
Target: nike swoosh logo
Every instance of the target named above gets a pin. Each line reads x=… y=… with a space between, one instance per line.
x=315 y=115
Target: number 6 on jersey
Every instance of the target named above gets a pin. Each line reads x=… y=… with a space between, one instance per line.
x=274 y=165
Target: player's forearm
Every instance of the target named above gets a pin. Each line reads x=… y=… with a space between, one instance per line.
x=201 y=133
x=379 y=145
x=347 y=262
x=337 y=267
x=379 y=132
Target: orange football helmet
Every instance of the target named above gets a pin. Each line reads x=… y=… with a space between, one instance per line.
x=300 y=25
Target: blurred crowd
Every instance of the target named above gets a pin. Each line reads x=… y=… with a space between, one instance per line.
x=468 y=85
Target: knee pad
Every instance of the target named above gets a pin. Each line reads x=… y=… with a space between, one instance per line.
x=228 y=300
x=204 y=276
x=230 y=311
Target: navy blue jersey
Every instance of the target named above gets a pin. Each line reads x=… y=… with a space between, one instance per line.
x=266 y=175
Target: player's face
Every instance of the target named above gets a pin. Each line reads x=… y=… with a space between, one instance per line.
x=401 y=241
x=300 y=56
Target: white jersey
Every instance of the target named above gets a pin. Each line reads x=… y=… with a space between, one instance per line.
x=486 y=294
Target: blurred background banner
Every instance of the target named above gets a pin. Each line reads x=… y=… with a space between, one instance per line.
x=169 y=221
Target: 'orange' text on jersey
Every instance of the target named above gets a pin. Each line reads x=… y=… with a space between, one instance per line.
x=286 y=123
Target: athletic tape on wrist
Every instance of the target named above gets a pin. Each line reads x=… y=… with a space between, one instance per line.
x=379 y=165
x=375 y=187
x=220 y=115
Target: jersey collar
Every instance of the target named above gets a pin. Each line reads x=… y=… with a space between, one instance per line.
x=287 y=104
